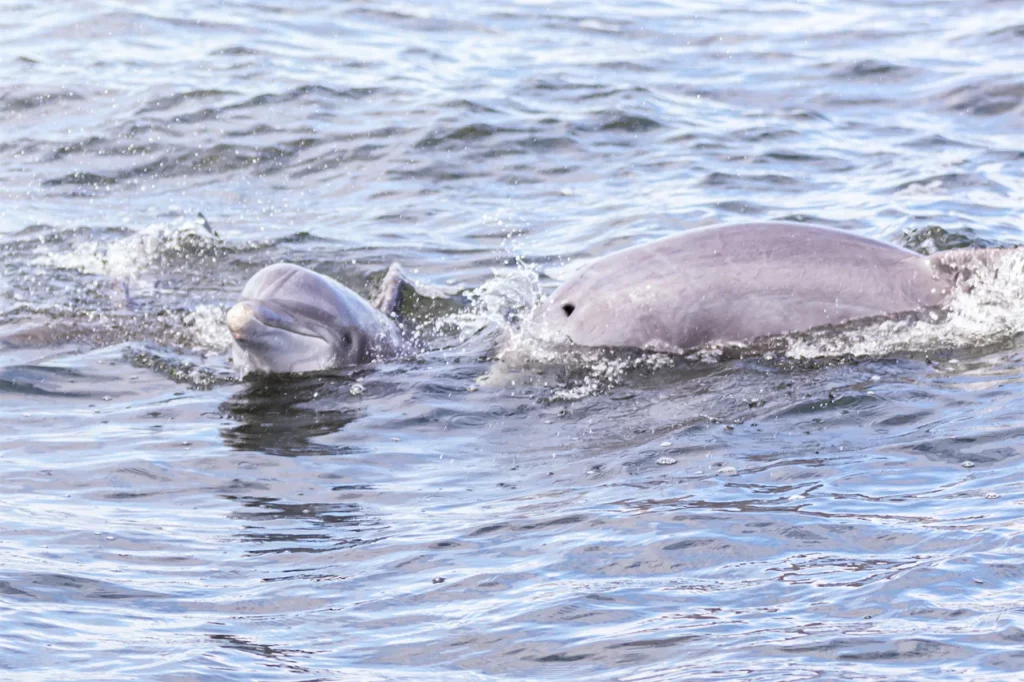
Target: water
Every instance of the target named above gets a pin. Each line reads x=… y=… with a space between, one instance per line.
x=847 y=506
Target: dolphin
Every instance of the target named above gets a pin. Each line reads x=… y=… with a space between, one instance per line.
x=291 y=319
x=731 y=284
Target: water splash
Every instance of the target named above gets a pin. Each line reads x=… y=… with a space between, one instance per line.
x=208 y=328
x=496 y=308
x=128 y=258
x=990 y=311
x=498 y=322
x=102 y=287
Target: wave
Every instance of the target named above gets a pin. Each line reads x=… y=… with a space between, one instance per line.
x=128 y=257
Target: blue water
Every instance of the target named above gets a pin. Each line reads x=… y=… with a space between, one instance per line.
x=846 y=508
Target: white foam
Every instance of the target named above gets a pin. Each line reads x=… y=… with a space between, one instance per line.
x=497 y=305
x=991 y=310
x=127 y=258
x=135 y=262
x=208 y=328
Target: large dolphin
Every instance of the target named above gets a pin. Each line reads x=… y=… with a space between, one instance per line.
x=290 y=319
x=735 y=283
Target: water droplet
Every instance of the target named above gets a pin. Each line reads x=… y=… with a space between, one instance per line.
x=666 y=444
x=357 y=389
x=992 y=496
x=438 y=581
x=967 y=464
x=665 y=461
x=727 y=471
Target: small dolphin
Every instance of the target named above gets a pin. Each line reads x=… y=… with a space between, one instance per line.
x=290 y=319
x=735 y=283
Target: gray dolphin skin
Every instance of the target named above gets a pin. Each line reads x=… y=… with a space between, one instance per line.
x=290 y=319
x=735 y=283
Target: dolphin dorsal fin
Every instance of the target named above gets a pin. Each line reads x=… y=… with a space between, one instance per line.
x=396 y=284
x=390 y=295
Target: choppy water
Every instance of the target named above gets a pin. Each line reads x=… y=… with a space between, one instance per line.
x=847 y=509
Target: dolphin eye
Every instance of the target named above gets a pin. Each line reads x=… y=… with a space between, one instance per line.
x=347 y=338
x=568 y=308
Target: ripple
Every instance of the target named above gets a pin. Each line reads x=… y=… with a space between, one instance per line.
x=1008 y=32
x=81 y=178
x=797 y=510
x=462 y=134
x=63 y=588
x=171 y=101
x=946 y=182
x=630 y=124
x=733 y=181
x=986 y=98
x=48 y=381
x=18 y=103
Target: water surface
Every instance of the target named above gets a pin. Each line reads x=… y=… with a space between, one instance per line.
x=847 y=507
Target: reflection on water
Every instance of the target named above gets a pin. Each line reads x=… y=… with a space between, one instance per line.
x=284 y=415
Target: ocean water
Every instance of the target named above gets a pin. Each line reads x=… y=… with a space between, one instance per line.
x=844 y=506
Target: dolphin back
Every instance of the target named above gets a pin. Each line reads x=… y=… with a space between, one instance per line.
x=735 y=283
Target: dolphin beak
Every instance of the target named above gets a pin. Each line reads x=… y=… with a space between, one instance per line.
x=241 y=319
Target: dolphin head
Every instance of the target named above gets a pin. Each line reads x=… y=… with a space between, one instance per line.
x=290 y=319
x=595 y=308
x=569 y=316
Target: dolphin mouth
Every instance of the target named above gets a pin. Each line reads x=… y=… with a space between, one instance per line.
x=249 y=320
